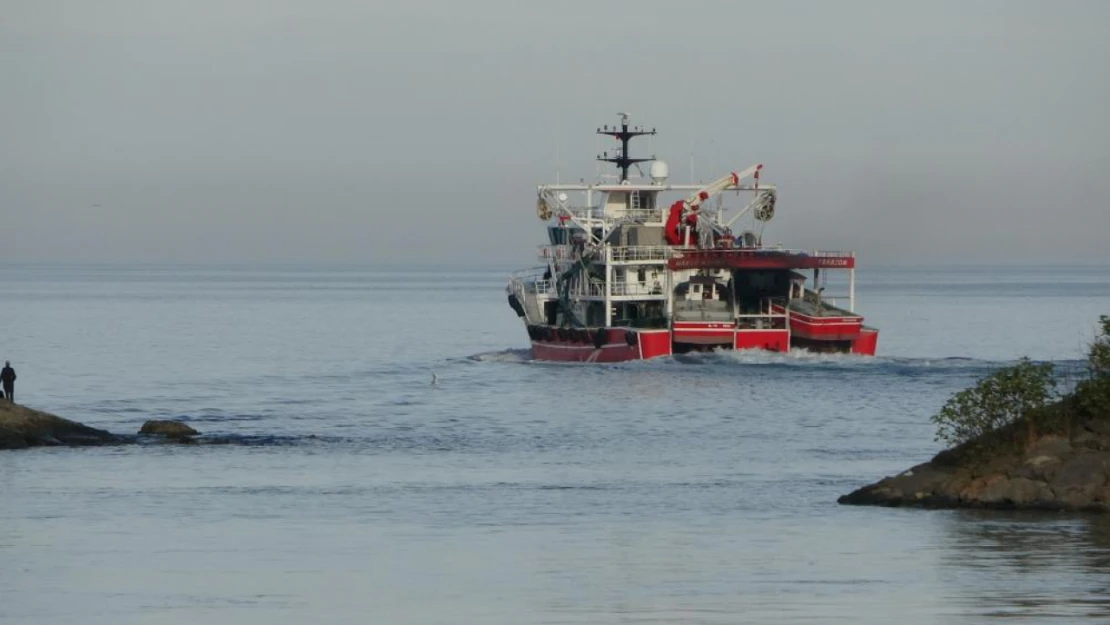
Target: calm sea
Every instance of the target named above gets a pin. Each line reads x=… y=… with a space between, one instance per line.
x=691 y=490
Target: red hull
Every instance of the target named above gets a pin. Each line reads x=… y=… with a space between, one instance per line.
x=624 y=344
x=704 y=333
x=826 y=328
x=759 y=259
x=832 y=333
x=770 y=340
x=619 y=345
x=867 y=342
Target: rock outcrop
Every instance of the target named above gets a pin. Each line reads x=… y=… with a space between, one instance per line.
x=169 y=429
x=1051 y=473
x=22 y=427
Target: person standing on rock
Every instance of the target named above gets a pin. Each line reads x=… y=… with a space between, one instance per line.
x=7 y=378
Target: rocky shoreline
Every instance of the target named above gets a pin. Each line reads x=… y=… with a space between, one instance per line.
x=22 y=427
x=1053 y=472
x=1059 y=473
x=1017 y=444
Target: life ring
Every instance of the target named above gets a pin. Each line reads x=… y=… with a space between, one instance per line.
x=600 y=337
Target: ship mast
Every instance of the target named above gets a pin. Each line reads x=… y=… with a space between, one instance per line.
x=625 y=133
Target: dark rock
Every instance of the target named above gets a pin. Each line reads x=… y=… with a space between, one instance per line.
x=1002 y=464
x=1053 y=473
x=1075 y=498
x=1086 y=470
x=1098 y=427
x=173 y=429
x=22 y=427
x=973 y=491
x=1038 y=468
x=12 y=440
x=1056 y=446
x=923 y=478
x=917 y=486
x=1089 y=440
x=1016 y=492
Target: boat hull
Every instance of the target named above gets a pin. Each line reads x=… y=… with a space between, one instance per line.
x=624 y=344
x=617 y=345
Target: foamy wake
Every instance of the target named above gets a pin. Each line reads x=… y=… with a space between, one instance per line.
x=504 y=355
x=756 y=357
x=803 y=358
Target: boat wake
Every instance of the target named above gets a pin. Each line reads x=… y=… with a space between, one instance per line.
x=797 y=358
x=503 y=355
x=793 y=359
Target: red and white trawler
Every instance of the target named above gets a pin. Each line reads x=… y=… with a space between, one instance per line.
x=629 y=275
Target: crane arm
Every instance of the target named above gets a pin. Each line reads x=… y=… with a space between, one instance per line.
x=720 y=184
x=711 y=189
x=693 y=203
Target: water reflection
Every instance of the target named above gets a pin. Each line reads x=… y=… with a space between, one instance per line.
x=1026 y=565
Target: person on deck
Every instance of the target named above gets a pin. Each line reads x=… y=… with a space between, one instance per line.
x=7 y=378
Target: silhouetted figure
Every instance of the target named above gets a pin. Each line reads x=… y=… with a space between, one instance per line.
x=7 y=378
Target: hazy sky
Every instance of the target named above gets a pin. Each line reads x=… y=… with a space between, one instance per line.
x=363 y=131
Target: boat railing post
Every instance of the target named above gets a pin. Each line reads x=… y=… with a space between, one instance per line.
x=608 y=287
x=668 y=293
x=852 y=288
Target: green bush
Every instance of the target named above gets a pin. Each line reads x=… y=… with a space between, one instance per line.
x=996 y=402
x=1094 y=392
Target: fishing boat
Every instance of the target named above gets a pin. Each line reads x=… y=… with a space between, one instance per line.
x=637 y=268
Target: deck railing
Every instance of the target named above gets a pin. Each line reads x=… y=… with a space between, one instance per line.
x=770 y=321
x=640 y=214
x=597 y=212
x=556 y=252
x=630 y=289
x=634 y=253
x=529 y=273
x=584 y=212
x=755 y=251
x=542 y=287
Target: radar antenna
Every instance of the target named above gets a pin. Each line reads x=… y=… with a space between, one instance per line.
x=624 y=133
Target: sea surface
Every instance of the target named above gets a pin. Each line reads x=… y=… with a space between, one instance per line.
x=699 y=489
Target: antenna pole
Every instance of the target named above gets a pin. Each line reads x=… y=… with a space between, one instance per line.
x=624 y=134
x=557 y=148
x=690 y=126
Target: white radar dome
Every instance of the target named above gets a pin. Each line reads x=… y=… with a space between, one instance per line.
x=659 y=172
